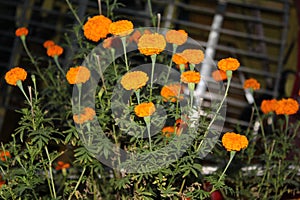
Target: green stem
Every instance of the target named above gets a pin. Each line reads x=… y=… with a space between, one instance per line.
x=50 y=172
x=151 y=13
x=74 y=13
x=78 y=182
x=137 y=94
x=148 y=120
x=153 y=60
x=19 y=84
x=261 y=125
x=181 y=188
x=123 y=39
x=79 y=86
x=170 y=64
x=58 y=65
x=114 y=62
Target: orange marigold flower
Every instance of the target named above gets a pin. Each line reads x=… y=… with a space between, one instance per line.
x=96 y=28
x=79 y=74
x=234 y=142
x=121 y=28
x=190 y=77
x=251 y=83
x=219 y=75
x=2 y=182
x=4 y=155
x=227 y=64
x=168 y=131
x=193 y=56
x=286 y=107
x=62 y=165
x=48 y=43
x=178 y=58
x=88 y=114
x=144 y=109
x=111 y=42
x=135 y=36
x=54 y=50
x=15 y=74
x=134 y=80
x=176 y=37
x=268 y=105
x=171 y=92
x=22 y=31
x=150 y=44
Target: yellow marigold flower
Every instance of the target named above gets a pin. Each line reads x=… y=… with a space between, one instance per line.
x=121 y=28
x=219 y=75
x=234 y=142
x=193 y=56
x=144 y=109
x=22 y=31
x=150 y=44
x=190 y=77
x=135 y=36
x=176 y=37
x=178 y=58
x=134 y=80
x=227 y=64
x=171 y=92
x=251 y=83
x=48 y=43
x=88 y=114
x=54 y=50
x=15 y=74
x=96 y=28
x=286 y=107
x=79 y=74
x=62 y=165
x=268 y=106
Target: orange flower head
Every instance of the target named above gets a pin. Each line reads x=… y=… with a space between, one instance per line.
x=144 y=109
x=234 y=142
x=150 y=44
x=48 y=43
x=168 y=131
x=134 y=80
x=268 y=106
x=171 y=92
x=54 y=50
x=178 y=58
x=62 y=165
x=4 y=155
x=121 y=28
x=111 y=42
x=286 y=107
x=135 y=36
x=219 y=75
x=22 y=31
x=79 y=74
x=87 y=114
x=227 y=64
x=193 y=56
x=190 y=77
x=96 y=28
x=14 y=75
x=251 y=83
x=176 y=37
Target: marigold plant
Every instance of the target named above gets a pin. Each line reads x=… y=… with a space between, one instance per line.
x=177 y=37
x=4 y=155
x=144 y=109
x=171 y=92
x=135 y=36
x=22 y=31
x=251 y=83
x=193 y=56
x=219 y=75
x=178 y=58
x=228 y=64
x=86 y=115
x=134 y=80
x=168 y=131
x=62 y=165
x=121 y=28
x=48 y=43
x=96 y=28
x=234 y=142
x=79 y=74
x=14 y=75
x=190 y=77
x=268 y=106
x=287 y=106
x=111 y=42
x=150 y=44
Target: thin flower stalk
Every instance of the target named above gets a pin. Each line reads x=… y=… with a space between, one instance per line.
x=78 y=182
x=171 y=61
x=123 y=39
x=153 y=60
x=73 y=12
x=58 y=65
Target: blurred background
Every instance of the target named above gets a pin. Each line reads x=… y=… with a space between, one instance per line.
x=262 y=34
